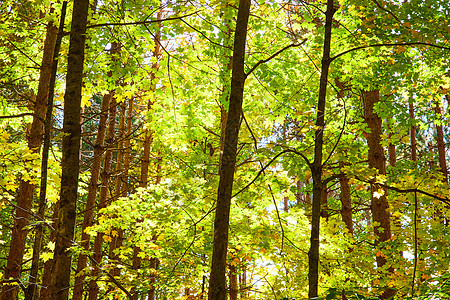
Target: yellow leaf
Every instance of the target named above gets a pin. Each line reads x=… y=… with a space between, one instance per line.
x=107 y=238
x=378 y=193
x=46 y=256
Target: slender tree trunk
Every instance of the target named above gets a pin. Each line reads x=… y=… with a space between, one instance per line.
x=324 y=203
x=26 y=188
x=413 y=139
x=233 y=282
x=147 y=143
x=46 y=276
x=441 y=143
x=118 y=185
x=379 y=204
x=346 y=201
x=91 y=197
x=316 y=166
x=217 y=281
x=102 y=202
x=70 y=153
x=32 y=291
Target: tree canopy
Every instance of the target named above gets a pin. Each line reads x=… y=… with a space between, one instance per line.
x=227 y=149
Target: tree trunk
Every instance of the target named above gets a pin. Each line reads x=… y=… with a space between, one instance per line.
x=25 y=192
x=91 y=197
x=217 y=282
x=147 y=141
x=379 y=205
x=441 y=143
x=32 y=291
x=316 y=166
x=46 y=276
x=346 y=201
x=102 y=202
x=233 y=282
x=70 y=153
x=413 y=139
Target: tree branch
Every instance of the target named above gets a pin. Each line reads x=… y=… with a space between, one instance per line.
x=141 y=22
x=388 y=45
x=273 y=55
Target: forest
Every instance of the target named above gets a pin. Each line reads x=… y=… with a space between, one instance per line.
x=224 y=149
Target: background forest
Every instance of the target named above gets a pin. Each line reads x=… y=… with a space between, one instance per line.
x=248 y=149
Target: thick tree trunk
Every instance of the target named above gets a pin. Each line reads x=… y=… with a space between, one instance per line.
x=441 y=143
x=32 y=290
x=217 y=282
x=26 y=189
x=316 y=166
x=70 y=153
x=379 y=204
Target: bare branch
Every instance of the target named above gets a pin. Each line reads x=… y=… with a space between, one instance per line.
x=388 y=45
x=273 y=55
x=145 y=22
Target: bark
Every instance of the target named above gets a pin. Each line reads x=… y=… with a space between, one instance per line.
x=25 y=192
x=233 y=282
x=32 y=291
x=379 y=205
x=441 y=143
x=346 y=201
x=316 y=166
x=118 y=185
x=102 y=202
x=413 y=139
x=324 y=203
x=70 y=153
x=217 y=282
x=90 y=199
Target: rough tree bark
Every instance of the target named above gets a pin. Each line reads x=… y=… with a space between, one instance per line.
x=26 y=188
x=217 y=282
x=316 y=166
x=379 y=204
x=70 y=153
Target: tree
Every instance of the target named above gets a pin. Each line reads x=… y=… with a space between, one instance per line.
x=217 y=280
x=71 y=153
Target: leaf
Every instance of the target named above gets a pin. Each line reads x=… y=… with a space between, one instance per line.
x=46 y=256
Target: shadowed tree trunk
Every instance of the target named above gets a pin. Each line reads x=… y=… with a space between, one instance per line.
x=379 y=204
x=316 y=165
x=26 y=188
x=413 y=139
x=70 y=153
x=346 y=201
x=440 y=142
x=217 y=282
x=32 y=290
